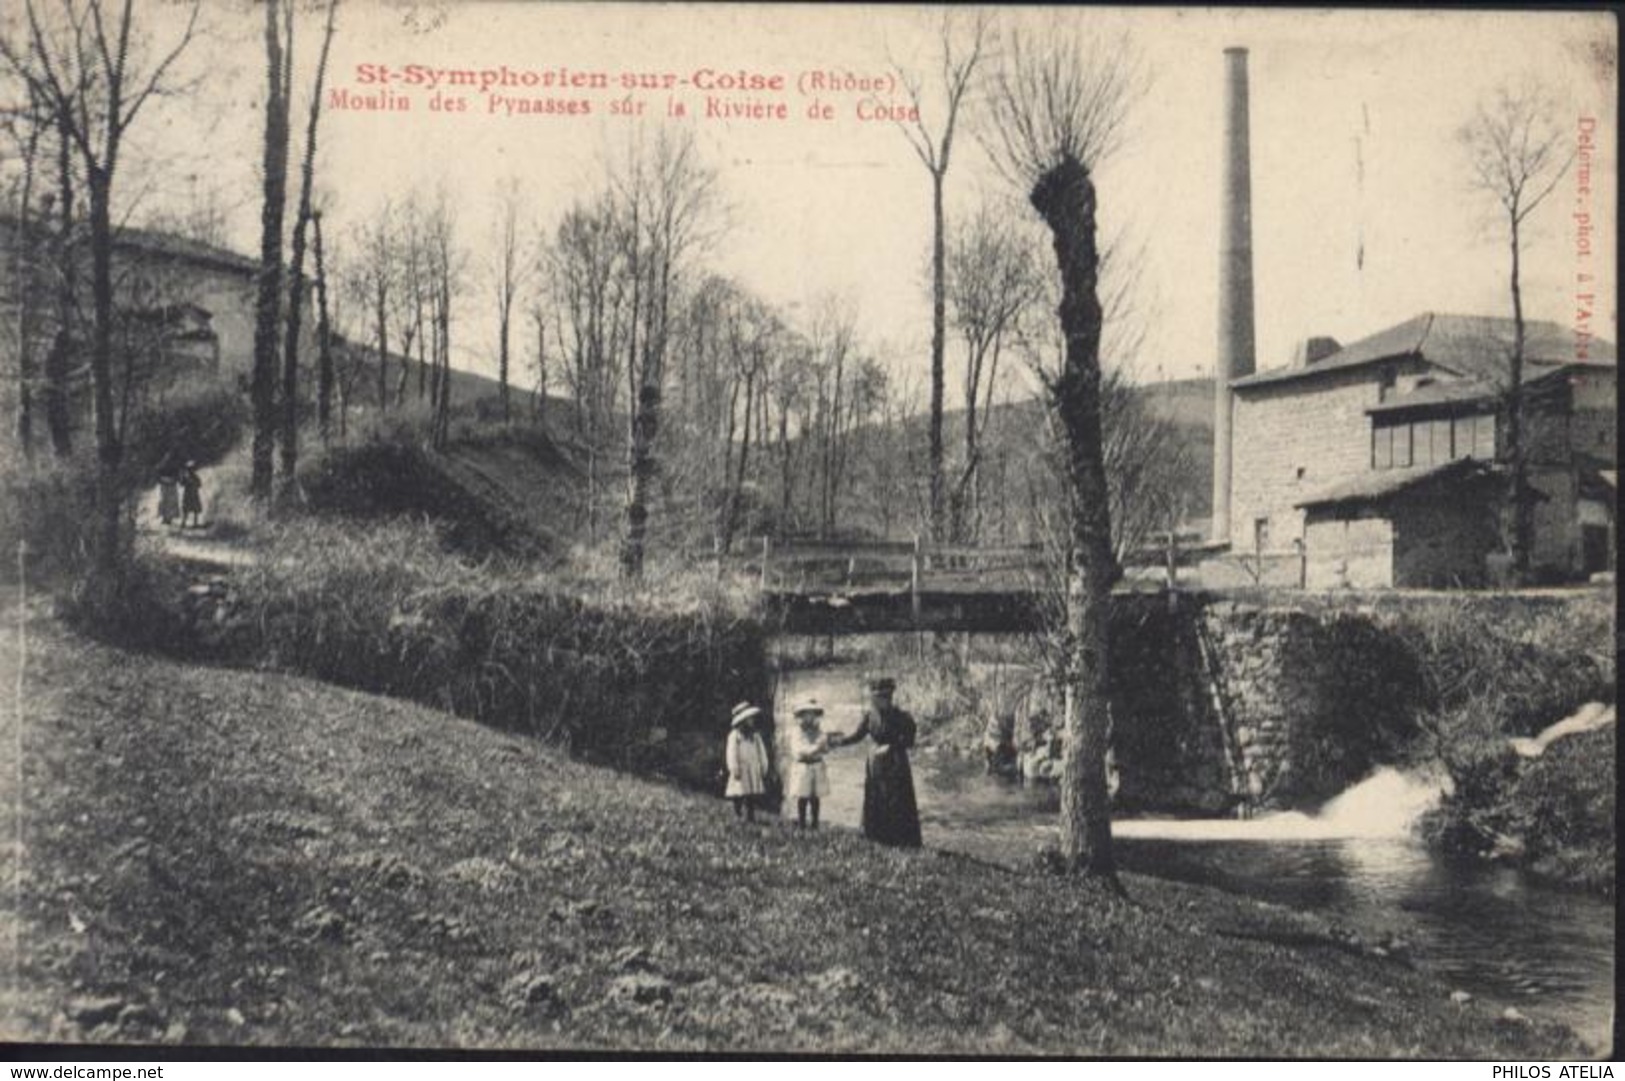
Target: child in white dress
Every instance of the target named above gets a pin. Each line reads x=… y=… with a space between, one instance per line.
x=809 y=776
x=747 y=762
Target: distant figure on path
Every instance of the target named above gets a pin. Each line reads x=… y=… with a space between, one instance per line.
x=169 y=495
x=747 y=762
x=191 y=496
x=809 y=776
x=890 y=814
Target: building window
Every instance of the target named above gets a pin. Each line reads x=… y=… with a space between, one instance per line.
x=1386 y=382
x=1430 y=442
x=1462 y=431
x=1402 y=446
x=1261 y=534
x=1391 y=446
x=1439 y=442
x=1382 y=448
x=1484 y=437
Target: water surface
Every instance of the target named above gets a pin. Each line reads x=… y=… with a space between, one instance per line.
x=1487 y=930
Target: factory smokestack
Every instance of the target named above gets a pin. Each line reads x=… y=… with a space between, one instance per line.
x=1235 y=354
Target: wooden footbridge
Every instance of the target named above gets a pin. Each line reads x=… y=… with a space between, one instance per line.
x=872 y=587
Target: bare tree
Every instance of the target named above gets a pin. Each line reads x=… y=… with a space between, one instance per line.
x=373 y=280
x=88 y=65
x=992 y=286
x=59 y=357
x=26 y=127
x=788 y=379
x=296 y=273
x=667 y=203
x=582 y=267
x=1512 y=144
x=1059 y=105
x=445 y=272
x=508 y=273
x=324 y=336
x=833 y=339
x=274 y=181
x=935 y=150
x=753 y=333
x=538 y=395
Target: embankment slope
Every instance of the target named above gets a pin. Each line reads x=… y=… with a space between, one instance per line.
x=223 y=857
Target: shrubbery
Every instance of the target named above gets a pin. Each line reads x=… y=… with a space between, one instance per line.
x=1498 y=671
x=52 y=508
x=398 y=476
x=639 y=679
x=52 y=504
x=201 y=422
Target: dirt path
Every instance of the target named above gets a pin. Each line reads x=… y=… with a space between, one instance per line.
x=194 y=545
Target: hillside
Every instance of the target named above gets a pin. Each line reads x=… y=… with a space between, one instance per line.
x=217 y=857
x=494 y=489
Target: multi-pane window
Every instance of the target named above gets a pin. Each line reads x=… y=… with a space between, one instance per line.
x=1438 y=440
x=1382 y=447
x=1432 y=442
x=1463 y=431
x=1484 y=437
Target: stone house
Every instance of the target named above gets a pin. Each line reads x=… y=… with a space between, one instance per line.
x=184 y=307
x=1380 y=463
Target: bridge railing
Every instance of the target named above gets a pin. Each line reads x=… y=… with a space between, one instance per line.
x=798 y=565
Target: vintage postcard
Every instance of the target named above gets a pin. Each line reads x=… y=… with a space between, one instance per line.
x=756 y=528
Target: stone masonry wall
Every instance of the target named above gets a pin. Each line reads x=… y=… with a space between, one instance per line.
x=1314 y=701
x=1317 y=424
x=1222 y=705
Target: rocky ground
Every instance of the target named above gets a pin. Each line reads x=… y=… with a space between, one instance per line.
x=215 y=857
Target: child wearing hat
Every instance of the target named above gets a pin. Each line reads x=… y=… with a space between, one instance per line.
x=747 y=762
x=809 y=776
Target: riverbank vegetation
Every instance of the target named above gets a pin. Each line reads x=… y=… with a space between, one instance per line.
x=219 y=857
x=1502 y=669
x=1440 y=685
x=639 y=676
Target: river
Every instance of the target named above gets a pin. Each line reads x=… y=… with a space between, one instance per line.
x=1490 y=931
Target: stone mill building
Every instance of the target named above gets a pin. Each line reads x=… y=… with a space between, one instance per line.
x=1383 y=463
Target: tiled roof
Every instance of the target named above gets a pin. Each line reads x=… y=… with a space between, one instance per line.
x=1450 y=391
x=1379 y=484
x=1471 y=346
x=178 y=247
x=1537 y=377
x=165 y=244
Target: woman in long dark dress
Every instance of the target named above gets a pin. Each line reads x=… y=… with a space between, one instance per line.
x=191 y=496
x=890 y=814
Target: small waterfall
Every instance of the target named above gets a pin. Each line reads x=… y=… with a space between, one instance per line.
x=1384 y=805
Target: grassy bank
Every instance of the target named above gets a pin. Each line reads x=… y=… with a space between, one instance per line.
x=634 y=676
x=215 y=856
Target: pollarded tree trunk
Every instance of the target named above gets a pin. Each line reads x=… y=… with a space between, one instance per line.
x=1065 y=198
x=1522 y=531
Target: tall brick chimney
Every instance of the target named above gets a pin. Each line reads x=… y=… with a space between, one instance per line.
x=1235 y=354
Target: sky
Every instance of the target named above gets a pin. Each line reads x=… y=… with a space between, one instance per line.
x=1363 y=210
